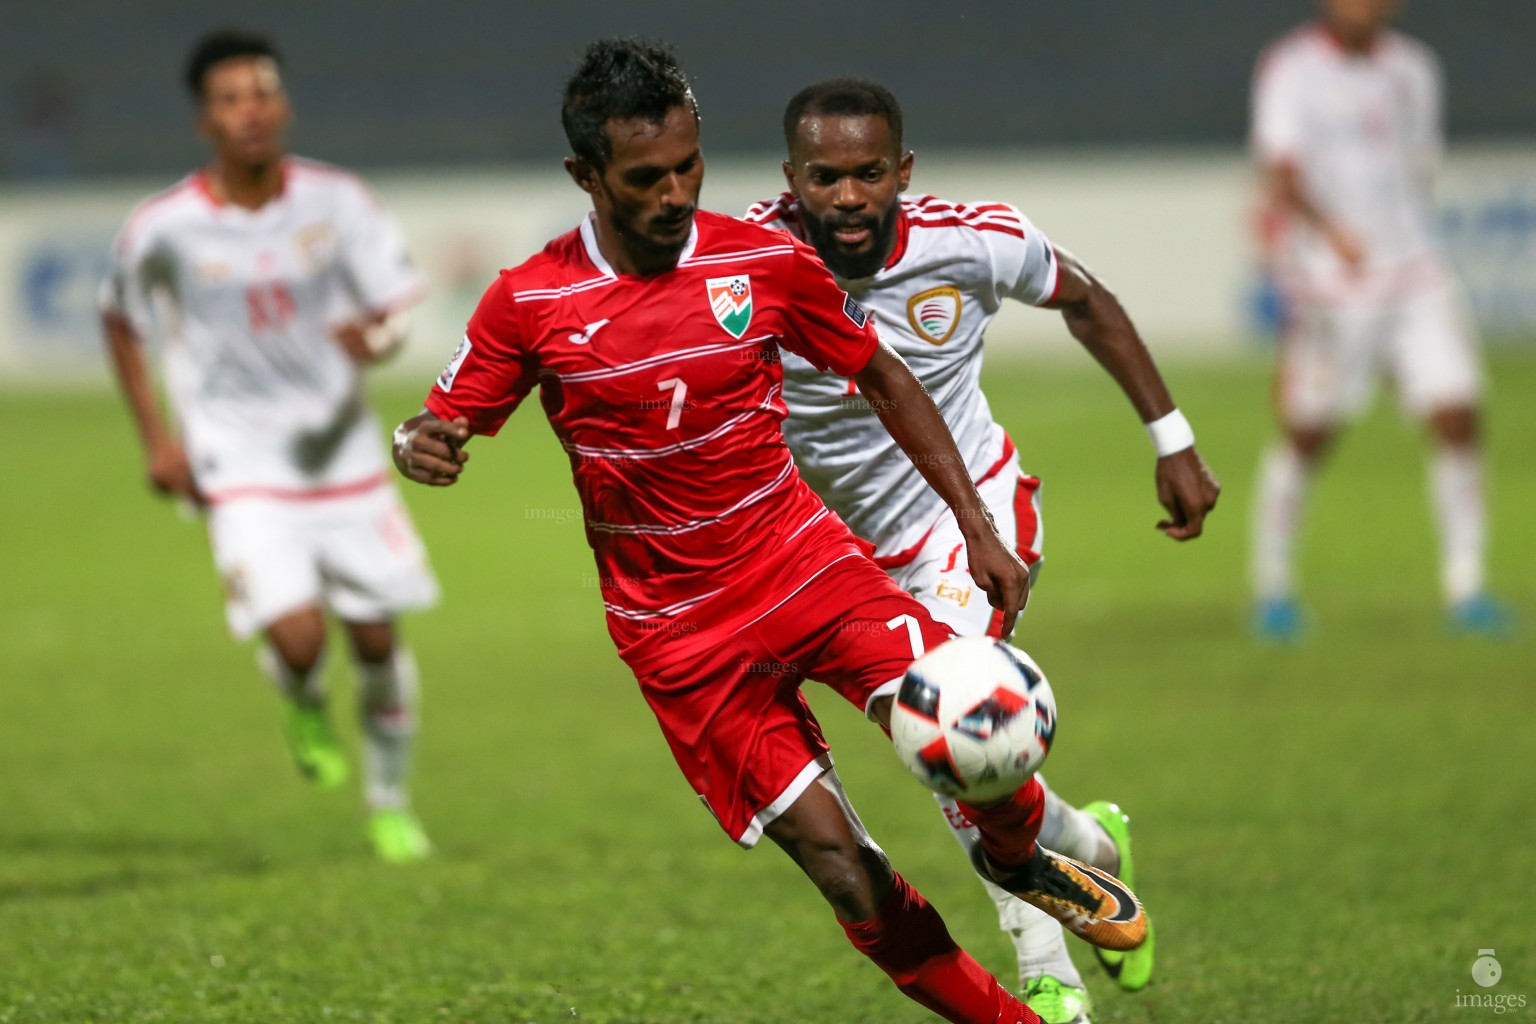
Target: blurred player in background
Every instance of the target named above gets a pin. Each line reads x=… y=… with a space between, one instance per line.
x=271 y=282
x=1347 y=128
x=653 y=332
x=933 y=274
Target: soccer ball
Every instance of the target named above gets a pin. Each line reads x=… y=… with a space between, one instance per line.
x=974 y=719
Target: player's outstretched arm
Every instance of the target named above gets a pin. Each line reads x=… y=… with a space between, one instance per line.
x=429 y=450
x=1185 y=486
x=166 y=464
x=914 y=422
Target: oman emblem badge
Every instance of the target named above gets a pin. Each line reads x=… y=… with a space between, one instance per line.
x=934 y=314
x=730 y=299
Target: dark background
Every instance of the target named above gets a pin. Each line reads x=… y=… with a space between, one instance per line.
x=93 y=87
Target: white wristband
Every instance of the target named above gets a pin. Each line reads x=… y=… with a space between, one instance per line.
x=1171 y=433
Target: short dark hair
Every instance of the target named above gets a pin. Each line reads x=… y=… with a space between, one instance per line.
x=221 y=45
x=620 y=80
x=856 y=97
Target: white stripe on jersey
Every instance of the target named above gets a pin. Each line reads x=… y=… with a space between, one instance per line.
x=540 y=294
x=808 y=580
x=642 y=364
x=681 y=446
x=736 y=257
x=659 y=613
x=696 y=524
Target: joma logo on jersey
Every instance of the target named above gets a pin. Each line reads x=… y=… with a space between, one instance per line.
x=934 y=314
x=730 y=299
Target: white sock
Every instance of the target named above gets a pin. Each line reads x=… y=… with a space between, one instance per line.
x=1076 y=833
x=1278 y=497
x=1456 y=493
x=387 y=699
x=1038 y=940
x=306 y=687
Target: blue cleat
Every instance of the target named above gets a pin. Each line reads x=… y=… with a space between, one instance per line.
x=1481 y=615
x=1278 y=620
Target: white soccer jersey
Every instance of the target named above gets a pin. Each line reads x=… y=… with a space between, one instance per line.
x=1363 y=131
x=244 y=302
x=952 y=267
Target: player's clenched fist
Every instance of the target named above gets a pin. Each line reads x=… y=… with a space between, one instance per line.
x=170 y=472
x=1000 y=573
x=429 y=450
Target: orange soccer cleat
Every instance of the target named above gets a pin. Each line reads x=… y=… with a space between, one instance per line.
x=1091 y=904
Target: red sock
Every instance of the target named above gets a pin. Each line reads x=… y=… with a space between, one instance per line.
x=1009 y=829
x=908 y=941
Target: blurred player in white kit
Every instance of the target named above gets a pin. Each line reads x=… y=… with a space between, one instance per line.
x=934 y=274
x=1346 y=125
x=270 y=282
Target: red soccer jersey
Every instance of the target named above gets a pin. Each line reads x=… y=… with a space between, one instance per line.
x=665 y=391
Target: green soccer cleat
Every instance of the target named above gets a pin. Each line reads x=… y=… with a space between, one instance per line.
x=1133 y=969
x=315 y=748
x=1056 y=1003
x=398 y=837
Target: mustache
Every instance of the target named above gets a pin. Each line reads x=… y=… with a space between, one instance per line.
x=674 y=219
x=838 y=221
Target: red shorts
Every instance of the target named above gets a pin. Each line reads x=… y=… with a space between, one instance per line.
x=728 y=696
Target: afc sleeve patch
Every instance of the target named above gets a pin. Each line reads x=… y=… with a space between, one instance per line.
x=854 y=311
x=445 y=379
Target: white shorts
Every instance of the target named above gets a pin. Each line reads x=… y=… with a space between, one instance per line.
x=939 y=576
x=359 y=556
x=1334 y=353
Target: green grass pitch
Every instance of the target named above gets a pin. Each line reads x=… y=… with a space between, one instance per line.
x=1327 y=833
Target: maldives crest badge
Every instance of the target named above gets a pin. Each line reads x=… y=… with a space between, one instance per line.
x=730 y=299
x=934 y=314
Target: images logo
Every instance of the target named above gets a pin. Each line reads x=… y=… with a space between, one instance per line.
x=1487 y=973
x=1485 y=969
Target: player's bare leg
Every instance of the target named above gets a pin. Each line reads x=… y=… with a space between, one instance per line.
x=294 y=659
x=1285 y=475
x=387 y=697
x=1457 y=498
x=884 y=917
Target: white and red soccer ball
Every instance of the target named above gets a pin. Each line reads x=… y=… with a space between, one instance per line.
x=974 y=719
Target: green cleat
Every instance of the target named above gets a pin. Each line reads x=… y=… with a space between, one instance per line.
x=398 y=837
x=1056 y=1003
x=1133 y=969
x=315 y=748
